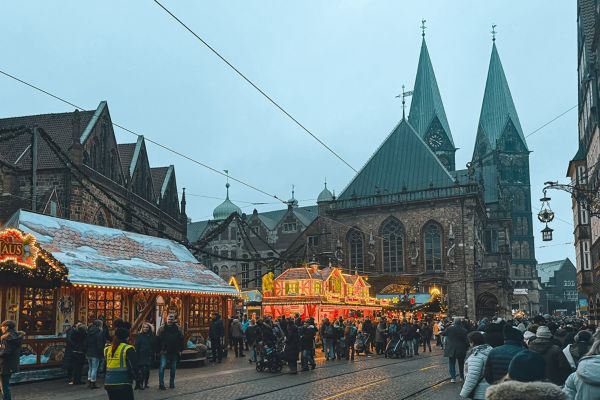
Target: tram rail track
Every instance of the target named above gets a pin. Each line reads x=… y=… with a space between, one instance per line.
x=307 y=382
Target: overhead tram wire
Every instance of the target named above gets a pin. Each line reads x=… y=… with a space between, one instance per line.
x=146 y=138
x=255 y=86
x=551 y=121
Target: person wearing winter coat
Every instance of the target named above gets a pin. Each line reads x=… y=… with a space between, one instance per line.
x=456 y=348
x=500 y=357
x=426 y=334
x=380 y=336
x=252 y=337
x=94 y=352
x=327 y=336
x=216 y=332
x=494 y=333
x=237 y=335
x=78 y=338
x=557 y=365
x=584 y=383
x=515 y=390
x=350 y=333
x=292 y=347
x=170 y=339
x=145 y=347
x=307 y=345
x=475 y=383
x=367 y=329
x=574 y=351
x=10 y=352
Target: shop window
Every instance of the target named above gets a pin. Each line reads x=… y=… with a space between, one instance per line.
x=202 y=309
x=38 y=311
x=105 y=304
x=292 y=288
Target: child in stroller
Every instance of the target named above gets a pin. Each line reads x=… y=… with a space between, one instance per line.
x=361 y=342
x=269 y=357
x=395 y=347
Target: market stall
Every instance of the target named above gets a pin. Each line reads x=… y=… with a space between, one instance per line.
x=84 y=272
x=318 y=293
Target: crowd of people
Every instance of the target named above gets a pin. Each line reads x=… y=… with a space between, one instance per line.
x=538 y=358
x=497 y=359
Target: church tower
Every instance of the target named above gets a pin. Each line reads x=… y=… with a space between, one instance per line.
x=501 y=157
x=427 y=115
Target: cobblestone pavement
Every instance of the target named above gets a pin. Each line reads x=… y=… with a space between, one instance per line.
x=422 y=377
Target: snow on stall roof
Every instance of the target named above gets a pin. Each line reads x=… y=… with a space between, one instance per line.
x=98 y=255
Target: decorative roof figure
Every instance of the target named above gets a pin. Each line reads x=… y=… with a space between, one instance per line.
x=226 y=208
x=325 y=195
x=292 y=201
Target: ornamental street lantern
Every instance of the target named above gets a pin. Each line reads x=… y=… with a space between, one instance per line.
x=544 y=216
x=547 y=233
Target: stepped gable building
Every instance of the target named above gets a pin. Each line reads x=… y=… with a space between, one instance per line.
x=113 y=176
x=247 y=250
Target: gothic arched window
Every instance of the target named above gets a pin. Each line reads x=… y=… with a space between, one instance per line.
x=393 y=246
x=355 y=250
x=432 y=239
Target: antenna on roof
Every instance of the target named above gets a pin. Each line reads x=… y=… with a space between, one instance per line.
x=493 y=32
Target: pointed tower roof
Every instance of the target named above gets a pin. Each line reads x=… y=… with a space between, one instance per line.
x=325 y=195
x=498 y=108
x=226 y=208
x=426 y=101
x=402 y=162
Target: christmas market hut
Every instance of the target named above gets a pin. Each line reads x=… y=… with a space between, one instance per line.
x=318 y=293
x=57 y=272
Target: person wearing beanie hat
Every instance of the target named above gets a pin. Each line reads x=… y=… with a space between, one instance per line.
x=527 y=366
x=573 y=352
x=527 y=336
x=493 y=333
x=557 y=365
x=499 y=358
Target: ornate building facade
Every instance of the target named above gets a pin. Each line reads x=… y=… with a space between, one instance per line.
x=69 y=165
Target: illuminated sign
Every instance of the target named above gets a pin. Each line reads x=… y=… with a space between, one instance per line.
x=17 y=247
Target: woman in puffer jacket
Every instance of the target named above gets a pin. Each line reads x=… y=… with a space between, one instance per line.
x=584 y=384
x=475 y=383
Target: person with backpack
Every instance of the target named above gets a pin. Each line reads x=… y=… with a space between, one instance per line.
x=475 y=384
x=574 y=352
x=349 y=339
x=557 y=365
x=216 y=333
x=327 y=336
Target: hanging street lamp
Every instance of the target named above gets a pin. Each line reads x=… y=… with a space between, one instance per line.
x=545 y=216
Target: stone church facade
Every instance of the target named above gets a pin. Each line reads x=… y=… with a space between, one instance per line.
x=83 y=174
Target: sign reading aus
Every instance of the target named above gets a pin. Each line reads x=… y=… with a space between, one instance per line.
x=17 y=247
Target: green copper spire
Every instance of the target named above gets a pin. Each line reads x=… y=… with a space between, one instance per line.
x=498 y=112
x=426 y=105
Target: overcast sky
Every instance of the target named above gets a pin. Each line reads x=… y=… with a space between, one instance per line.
x=335 y=65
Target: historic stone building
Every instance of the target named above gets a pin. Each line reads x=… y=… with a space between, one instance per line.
x=414 y=222
x=69 y=165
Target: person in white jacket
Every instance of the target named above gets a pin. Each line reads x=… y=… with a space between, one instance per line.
x=475 y=384
x=584 y=384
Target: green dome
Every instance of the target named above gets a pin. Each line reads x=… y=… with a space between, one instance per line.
x=226 y=208
x=325 y=195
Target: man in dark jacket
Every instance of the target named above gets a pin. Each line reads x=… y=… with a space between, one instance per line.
x=94 y=351
x=78 y=338
x=367 y=329
x=170 y=340
x=292 y=347
x=557 y=365
x=10 y=351
x=426 y=334
x=307 y=345
x=456 y=348
x=496 y=366
x=216 y=332
x=145 y=347
x=494 y=332
x=252 y=337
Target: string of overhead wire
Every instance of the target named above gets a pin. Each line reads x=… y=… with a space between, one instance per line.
x=200 y=163
x=255 y=86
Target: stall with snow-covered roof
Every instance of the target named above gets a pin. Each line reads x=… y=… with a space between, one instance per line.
x=90 y=272
x=318 y=293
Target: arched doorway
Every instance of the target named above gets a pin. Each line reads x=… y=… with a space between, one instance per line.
x=487 y=305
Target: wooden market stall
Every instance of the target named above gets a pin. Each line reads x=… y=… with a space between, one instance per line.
x=318 y=293
x=84 y=272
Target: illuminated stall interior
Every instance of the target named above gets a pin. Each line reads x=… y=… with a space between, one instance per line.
x=84 y=272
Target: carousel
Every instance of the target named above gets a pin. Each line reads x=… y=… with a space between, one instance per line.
x=57 y=272
x=318 y=293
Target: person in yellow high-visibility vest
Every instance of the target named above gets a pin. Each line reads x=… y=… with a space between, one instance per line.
x=121 y=367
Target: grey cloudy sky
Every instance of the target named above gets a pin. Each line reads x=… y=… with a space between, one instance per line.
x=335 y=65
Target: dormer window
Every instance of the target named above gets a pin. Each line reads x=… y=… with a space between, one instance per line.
x=290 y=227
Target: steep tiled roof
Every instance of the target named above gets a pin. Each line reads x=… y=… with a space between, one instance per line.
x=158 y=178
x=305 y=215
x=426 y=103
x=195 y=230
x=547 y=270
x=402 y=162
x=126 y=151
x=498 y=108
x=587 y=14
x=17 y=151
x=95 y=255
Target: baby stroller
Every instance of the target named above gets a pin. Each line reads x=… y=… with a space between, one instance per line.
x=361 y=342
x=395 y=348
x=269 y=358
